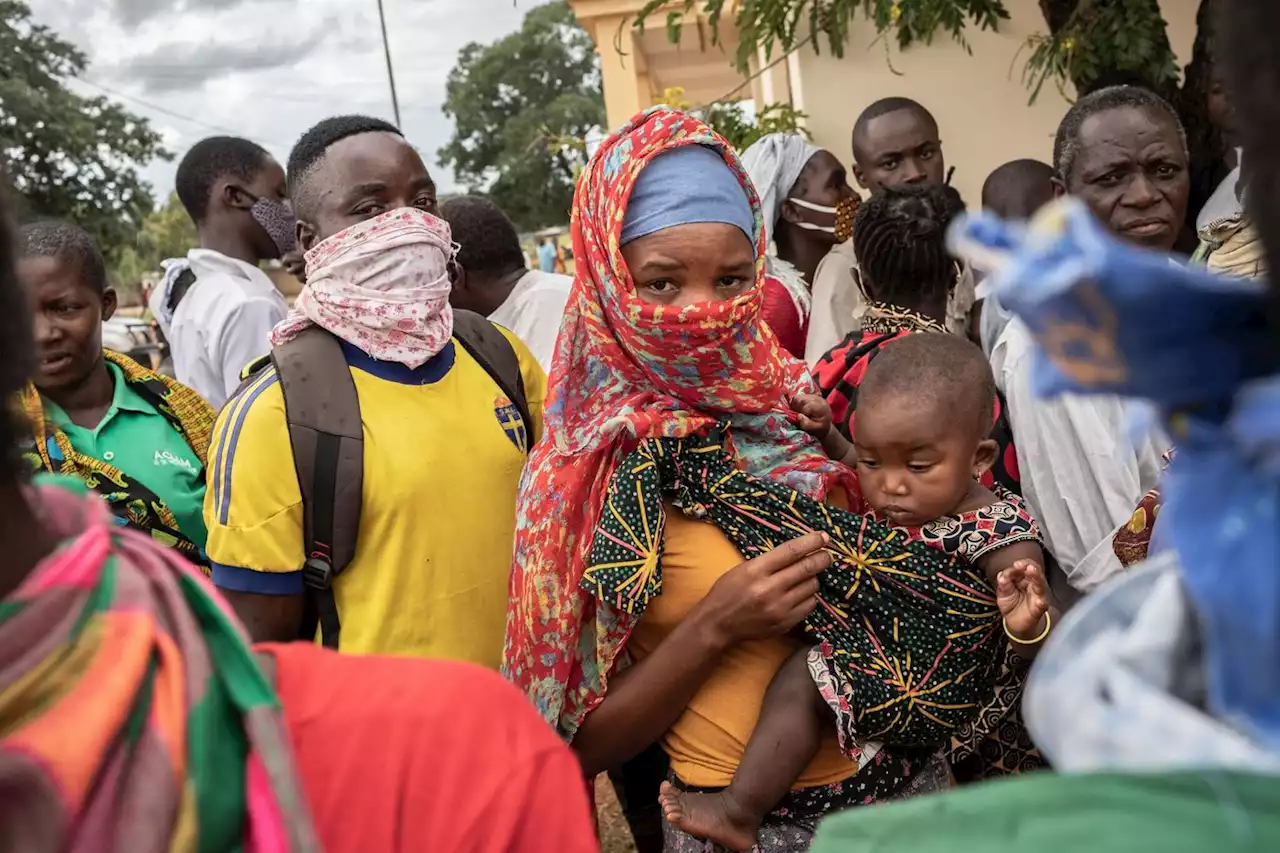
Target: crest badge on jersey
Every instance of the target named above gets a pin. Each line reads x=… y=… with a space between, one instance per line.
x=512 y=424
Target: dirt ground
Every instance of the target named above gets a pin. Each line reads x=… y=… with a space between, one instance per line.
x=614 y=835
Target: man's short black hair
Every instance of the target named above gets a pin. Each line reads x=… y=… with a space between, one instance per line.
x=210 y=159
x=56 y=238
x=1018 y=189
x=947 y=371
x=311 y=148
x=490 y=244
x=1066 y=146
x=884 y=107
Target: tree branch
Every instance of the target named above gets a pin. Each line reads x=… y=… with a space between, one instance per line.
x=1057 y=13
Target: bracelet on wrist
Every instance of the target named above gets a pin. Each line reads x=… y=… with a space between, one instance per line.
x=1048 y=623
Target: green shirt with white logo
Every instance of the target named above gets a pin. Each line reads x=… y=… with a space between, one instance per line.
x=141 y=442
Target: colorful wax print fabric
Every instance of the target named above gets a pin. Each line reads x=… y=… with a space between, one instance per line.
x=909 y=635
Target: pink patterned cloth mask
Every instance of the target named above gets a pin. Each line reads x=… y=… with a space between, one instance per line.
x=382 y=286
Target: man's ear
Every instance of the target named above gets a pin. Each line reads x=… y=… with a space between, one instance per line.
x=109 y=303
x=306 y=236
x=788 y=212
x=984 y=457
x=860 y=177
x=1059 y=187
x=457 y=275
x=233 y=196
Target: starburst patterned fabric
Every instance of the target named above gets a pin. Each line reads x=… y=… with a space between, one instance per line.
x=908 y=631
x=625 y=370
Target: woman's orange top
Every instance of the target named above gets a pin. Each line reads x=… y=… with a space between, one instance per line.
x=707 y=742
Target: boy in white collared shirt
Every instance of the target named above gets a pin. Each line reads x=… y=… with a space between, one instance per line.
x=217 y=308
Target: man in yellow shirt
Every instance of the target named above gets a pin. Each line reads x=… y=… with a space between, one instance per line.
x=443 y=444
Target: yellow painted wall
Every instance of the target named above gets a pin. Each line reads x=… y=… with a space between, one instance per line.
x=623 y=71
x=979 y=100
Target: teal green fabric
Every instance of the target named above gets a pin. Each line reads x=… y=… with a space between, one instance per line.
x=141 y=442
x=1183 y=812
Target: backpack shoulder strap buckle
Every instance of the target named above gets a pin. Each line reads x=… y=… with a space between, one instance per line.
x=317 y=573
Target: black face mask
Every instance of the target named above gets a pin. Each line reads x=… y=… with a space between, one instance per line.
x=277 y=219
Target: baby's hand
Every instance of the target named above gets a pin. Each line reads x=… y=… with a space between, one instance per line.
x=813 y=415
x=1022 y=595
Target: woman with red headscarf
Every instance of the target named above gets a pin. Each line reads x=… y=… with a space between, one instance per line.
x=663 y=340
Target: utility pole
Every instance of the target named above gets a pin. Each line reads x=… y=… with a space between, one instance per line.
x=391 y=76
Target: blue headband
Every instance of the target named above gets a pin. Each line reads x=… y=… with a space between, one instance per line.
x=686 y=185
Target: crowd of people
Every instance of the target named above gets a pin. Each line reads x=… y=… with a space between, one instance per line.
x=762 y=512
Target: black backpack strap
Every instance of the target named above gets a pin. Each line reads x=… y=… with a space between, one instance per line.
x=323 y=413
x=181 y=285
x=250 y=372
x=490 y=348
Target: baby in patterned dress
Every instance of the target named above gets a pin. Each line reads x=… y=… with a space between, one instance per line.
x=921 y=441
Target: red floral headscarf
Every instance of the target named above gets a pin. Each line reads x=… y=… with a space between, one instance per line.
x=626 y=370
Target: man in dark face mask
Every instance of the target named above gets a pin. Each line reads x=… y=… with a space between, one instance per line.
x=216 y=307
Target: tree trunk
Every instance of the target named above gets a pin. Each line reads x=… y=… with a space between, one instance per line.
x=1205 y=140
x=1058 y=13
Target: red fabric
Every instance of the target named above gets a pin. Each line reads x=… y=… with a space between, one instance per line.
x=840 y=372
x=779 y=314
x=402 y=755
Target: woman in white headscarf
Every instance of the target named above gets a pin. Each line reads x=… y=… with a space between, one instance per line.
x=808 y=208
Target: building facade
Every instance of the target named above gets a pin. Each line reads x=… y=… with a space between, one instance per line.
x=978 y=98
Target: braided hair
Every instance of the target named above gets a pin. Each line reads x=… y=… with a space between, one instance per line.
x=899 y=237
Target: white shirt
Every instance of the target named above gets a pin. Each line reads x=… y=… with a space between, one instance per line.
x=1225 y=201
x=1081 y=473
x=838 y=304
x=222 y=324
x=533 y=311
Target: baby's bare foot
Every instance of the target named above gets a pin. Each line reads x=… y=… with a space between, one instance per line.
x=715 y=817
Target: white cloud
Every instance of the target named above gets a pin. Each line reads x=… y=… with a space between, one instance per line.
x=268 y=69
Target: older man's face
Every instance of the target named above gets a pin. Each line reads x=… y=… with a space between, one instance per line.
x=1131 y=170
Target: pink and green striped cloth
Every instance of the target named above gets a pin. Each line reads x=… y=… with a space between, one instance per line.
x=133 y=714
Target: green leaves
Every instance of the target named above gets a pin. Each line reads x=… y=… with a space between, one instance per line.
x=513 y=103
x=1104 y=37
x=789 y=24
x=67 y=155
x=729 y=121
x=1087 y=39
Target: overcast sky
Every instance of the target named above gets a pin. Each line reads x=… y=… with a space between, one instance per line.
x=269 y=69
